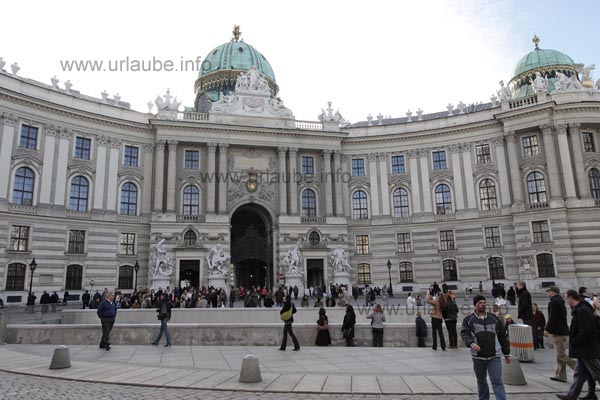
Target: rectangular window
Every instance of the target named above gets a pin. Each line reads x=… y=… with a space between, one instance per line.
x=308 y=165
x=76 y=242
x=15 y=277
x=439 y=160
x=358 y=167
x=364 y=274
x=588 y=142
x=530 y=146
x=82 y=148
x=541 y=232
x=398 y=165
x=19 y=238
x=406 y=272
x=127 y=244
x=131 y=157
x=482 y=152
x=192 y=159
x=362 y=244
x=404 y=243
x=447 y=240
x=29 y=136
x=492 y=236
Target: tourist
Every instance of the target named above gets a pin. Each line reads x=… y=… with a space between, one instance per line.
x=496 y=311
x=450 y=314
x=558 y=328
x=304 y=302
x=279 y=295
x=53 y=301
x=419 y=301
x=136 y=304
x=85 y=299
x=107 y=312
x=287 y=316
x=377 y=318
x=201 y=303
x=164 y=315
x=511 y=296
x=410 y=302
x=344 y=299
x=318 y=303
x=232 y=297
x=525 y=307
x=348 y=326
x=508 y=321
x=438 y=302
x=330 y=302
x=31 y=302
x=323 y=336
x=421 y=330
x=539 y=322
x=355 y=293
x=481 y=331
x=44 y=301
x=583 y=345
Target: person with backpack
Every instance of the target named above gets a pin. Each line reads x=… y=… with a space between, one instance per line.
x=450 y=314
x=164 y=315
x=287 y=316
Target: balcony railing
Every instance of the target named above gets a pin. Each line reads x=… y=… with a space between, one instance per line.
x=537 y=206
x=444 y=217
x=22 y=209
x=489 y=213
x=128 y=218
x=312 y=220
x=192 y=116
x=190 y=218
x=401 y=220
x=309 y=125
x=523 y=102
x=78 y=214
x=360 y=222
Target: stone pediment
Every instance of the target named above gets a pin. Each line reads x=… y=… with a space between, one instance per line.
x=81 y=169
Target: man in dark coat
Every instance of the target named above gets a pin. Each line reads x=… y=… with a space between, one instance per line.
x=511 y=296
x=85 y=299
x=421 y=330
x=525 y=305
x=44 y=301
x=107 y=312
x=96 y=300
x=558 y=328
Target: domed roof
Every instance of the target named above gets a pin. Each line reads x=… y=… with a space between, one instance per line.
x=541 y=58
x=236 y=55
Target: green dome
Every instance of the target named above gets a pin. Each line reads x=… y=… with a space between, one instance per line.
x=235 y=55
x=540 y=58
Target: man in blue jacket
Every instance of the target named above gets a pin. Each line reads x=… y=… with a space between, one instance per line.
x=483 y=333
x=107 y=312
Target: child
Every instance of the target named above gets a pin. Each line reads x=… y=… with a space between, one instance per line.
x=421 y=330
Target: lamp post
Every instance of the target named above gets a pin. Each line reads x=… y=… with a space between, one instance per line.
x=136 y=268
x=92 y=283
x=32 y=266
x=390 y=291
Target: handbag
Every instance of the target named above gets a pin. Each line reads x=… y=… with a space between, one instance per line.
x=286 y=315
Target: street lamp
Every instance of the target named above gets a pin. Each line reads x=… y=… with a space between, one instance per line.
x=389 y=265
x=92 y=283
x=136 y=268
x=32 y=266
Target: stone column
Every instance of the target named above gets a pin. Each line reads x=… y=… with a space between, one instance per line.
x=147 y=185
x=100 y=184
x=552 y=162
x=159 y=170
x=583 y=185
x=415 y=186
x=425 y=185
x=223 y=177
x=211 y=170
x=281 y=151
x=171 y=176
x=338 y=181
x=60 y=184
x=293 y=184
x=345 y=188
x=513 y=163
x=48 y=167
x=384 y=184
x=469 y=183
x=565 y=161
x=326 y=155
x=502 y=171
x=457 y=175
x=112 y=189
x=374 y=181
x=8 y=134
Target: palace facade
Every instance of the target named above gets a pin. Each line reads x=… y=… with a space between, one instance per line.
x=508 y=190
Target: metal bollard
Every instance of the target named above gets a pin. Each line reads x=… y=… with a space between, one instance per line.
x=250 y=372
x=61 y=358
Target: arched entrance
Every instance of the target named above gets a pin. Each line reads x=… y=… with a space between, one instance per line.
x=252 y=246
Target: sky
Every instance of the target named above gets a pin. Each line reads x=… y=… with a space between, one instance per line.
x=377 y=57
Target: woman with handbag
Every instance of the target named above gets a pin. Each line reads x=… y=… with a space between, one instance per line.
x=287 y=316
x=348 y=325
x=164 y=315
x=323 y=337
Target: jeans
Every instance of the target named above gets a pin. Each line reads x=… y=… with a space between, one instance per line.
x=584 y=370
x=107 y=325
x=287 y=328
x=436 y=326
x=562 y=360
x=493 y=368
x=452 y=334
x=377 y=337
x=163 y=328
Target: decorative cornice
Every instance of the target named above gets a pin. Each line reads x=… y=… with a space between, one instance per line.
x=282 y=151
x=172 y=144
x=372 y=157
x=423 y=153
x=223 y=147
x=160 y=144
x=382 y=157
x=547 y=129
x=413 y=153
x=326 y=154
x=293 y=150
x=498 y=141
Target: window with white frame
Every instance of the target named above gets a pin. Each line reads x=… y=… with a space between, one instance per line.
x=190 y=238
x=536 y=188
x=406 y=272
x=492 y=237
x=128 y=199
x=80 y=190
x=483 y=154
x=308 y=165
x=126 y=277
x=450 y=270
x=364 y=274
x=594 y=179
x=496 y=268
x=192 y=159
x=439 y=160
x=362 y=244
x=400 y=200
x=447 y=240
x=360 y=209
x=83 y=148
x=15 y=277
x=487 y=195
x=309 y=203
x=191 y=200
x=545 y=264
x=74 y=277
x=530 y=146
x=127 y=244
x=19 y=238
x=358 y=167
x=541 y=231
x=131 y=156
x=398 y=165
x=29 y=137
x=23 y=187
x=404 y=245
x=443 y=199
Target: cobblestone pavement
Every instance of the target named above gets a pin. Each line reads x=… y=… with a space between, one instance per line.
x=15 y=386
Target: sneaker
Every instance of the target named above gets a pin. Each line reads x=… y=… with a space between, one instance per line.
x=154 y=343
x=281 y=349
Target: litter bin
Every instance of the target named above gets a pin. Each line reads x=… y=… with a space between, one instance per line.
x=521 y=342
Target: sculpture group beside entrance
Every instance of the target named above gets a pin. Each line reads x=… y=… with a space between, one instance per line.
x=292 y=267
x=340 y=265
x=217 y=259
x=161 y=265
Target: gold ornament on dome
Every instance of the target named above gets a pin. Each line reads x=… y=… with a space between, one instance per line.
x=536 y=41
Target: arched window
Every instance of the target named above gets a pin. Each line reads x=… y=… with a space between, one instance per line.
x=400 y=198
x=359 y=205
x=190 y=238
x=450 y=270
x=487 y=195
x=129 y=199
x=406 y=272
x=443 y=199
x=536 y=188
x=78 y=200
x=126 y=277
x=15 y=278
x=23 y=187
x=309 y=203
x=545 y=264
x=594 y=178
x=364 y=274
x=191 y=200
x=496 y=267
x=74 y=277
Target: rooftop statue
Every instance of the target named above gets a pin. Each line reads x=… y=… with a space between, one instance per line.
x=504 y=92
x=252 y=81
x=166 y=104
x=566 y=83
x=329 y=116
x=540 y=83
